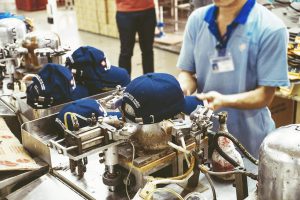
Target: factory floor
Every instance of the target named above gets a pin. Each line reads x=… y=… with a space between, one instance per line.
x=66 y=26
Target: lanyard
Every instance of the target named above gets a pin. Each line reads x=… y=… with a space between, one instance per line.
x=223 y=41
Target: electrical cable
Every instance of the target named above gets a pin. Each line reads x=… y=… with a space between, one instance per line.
x=148 y=197
x=159 y=180
x=223 y=154
x=211 y=185
x=237 y=143
x=283 y=2
x=72 y=115
x=183 y=175
x=295 y=9
x=185 y=154
x=249 y=174
x=73 y=118
x=127 y=179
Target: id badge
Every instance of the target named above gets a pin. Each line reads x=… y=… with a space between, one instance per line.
x=221 y=64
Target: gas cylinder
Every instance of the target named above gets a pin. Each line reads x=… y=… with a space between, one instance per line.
x=219 y=164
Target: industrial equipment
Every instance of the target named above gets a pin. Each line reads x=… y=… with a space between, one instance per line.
x=36 y=48
x=118 y=144
x=129 y=161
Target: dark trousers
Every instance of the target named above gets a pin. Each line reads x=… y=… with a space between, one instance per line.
x=143 y=23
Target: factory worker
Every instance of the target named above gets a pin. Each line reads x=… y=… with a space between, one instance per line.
x=234 y=55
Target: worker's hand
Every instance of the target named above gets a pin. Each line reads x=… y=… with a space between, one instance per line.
x=214 y=99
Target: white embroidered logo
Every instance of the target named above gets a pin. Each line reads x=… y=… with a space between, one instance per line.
x=132 y=99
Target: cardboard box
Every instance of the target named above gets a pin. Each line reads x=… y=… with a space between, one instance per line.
x=282 y=111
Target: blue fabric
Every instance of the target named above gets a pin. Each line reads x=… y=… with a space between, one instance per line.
x=4 y=15
x=211 y=15
x=258 y=48
x=83 y=107
x=191 y=103
x=155 y=97
x=79 y=92
x=91 y=69
x=55 y=84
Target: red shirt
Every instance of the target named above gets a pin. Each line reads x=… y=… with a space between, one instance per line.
x=134 y=5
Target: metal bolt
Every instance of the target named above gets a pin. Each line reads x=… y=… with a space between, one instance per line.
x=49 y=145
x=101 y=154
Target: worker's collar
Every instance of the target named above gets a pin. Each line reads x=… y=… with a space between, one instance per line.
x=211 y=14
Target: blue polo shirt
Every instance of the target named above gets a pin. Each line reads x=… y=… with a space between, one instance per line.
x=258 y=45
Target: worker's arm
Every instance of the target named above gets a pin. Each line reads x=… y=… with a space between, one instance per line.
x=257 y=98
x=188 y=82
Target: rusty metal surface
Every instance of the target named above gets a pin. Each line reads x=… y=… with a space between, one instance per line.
x=152 y=137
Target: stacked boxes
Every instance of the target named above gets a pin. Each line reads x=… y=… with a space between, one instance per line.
x=111 y=25
x=87 y=15
x=97 y=16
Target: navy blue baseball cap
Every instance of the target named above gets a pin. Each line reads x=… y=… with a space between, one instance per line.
x=92 y=69
x=84 y=108
x=154 y=97
x=54 y=84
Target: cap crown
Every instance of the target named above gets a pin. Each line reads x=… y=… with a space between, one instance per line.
x=152 y=98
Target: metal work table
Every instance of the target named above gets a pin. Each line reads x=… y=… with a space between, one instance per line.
x=45 y=188
x=60 y=183
x=13 y=180
x=92 y=187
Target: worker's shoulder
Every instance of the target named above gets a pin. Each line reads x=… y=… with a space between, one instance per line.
x=265 y=19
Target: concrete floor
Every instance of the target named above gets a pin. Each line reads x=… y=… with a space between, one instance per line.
x=66 y=26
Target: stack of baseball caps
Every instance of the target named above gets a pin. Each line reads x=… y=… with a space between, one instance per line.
x=154 y=97
x=92 y=69
x=53 y=85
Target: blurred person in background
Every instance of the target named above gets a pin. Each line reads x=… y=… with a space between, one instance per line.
x=136 y=16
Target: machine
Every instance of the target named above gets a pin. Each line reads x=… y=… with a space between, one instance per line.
x=119 y=145
x=22 y=53
x=12 y=31
x=113 y=152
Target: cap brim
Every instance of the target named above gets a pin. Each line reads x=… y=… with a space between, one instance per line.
x=190 y=104
x=79 y=92
x=115 y=76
